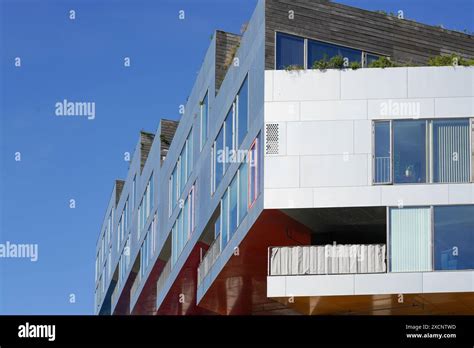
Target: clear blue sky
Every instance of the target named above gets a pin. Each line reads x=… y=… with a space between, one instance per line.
x=64 y=158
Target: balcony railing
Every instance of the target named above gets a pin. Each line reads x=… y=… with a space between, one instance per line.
x=327 y=259
x=382 y=169
x=163 y=277
x=211 y=256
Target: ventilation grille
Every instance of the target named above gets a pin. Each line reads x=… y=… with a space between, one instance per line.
x=272 y=138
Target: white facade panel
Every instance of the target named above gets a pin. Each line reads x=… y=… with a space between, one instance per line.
x=306 y=85
x=347 y=196
x=362 y=136
x=429 y=82
x=282 y=111
x=459 y=281
x=333 y=170
x=374 y=83
x=282 y=171
x=460 y=194
x=331 y=110
x=320 y=138
x=324 y=285
x=454 y=107
x=414 y=194
x=288 y=198
x=371 y=284
x=268 y=94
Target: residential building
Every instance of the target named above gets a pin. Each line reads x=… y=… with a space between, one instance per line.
x=291 y=188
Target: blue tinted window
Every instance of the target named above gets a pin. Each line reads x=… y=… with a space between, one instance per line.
x=451 y=151
x=289 y=51
x=382 y=152
x=219 y=163
x=454 y=237
x=224 y=220
x=229 y=135
x=371 y=58
x=233 y=207
x=242 y=110
x=320 y=50
x=409 y=151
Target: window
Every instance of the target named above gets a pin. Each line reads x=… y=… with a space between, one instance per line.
x=154 y=234
x=146 y=206
x=217 y=228
x=410 y=239
x=320 y=50
x=421 y=151
x=134 y=192
x=184 y=226
x=409 y=151
x=382 y=170
x=289 y=51
x=370 y=58
x=243 y=189
x=218 y=167
x=454 y=237
x=145 y=255
x=233 y=218
x=229 y=137
x=181 y=172
x=451 y=151
x=253 y=176
x=173 y=188
x=204 y=120
x=242 y=112
x=224 y=219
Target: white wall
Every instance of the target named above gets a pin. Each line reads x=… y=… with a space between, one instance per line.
x=325 y=119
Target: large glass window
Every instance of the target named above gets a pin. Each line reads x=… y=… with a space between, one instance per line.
x=242 y=112
x=454 y=237
x=183 y=226
x=253 y=176
x=409 y=151
x=229 y=136
x=410 y=239
x=382 y=171
x=289 y=51
x=204 y=120
x=320 y=50
x=243 y=190
x=218 y=159
x=233 y=207
x=224 y=219
x=451 y=153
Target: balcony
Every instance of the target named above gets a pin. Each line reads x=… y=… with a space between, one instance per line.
x=115 y=294
x=211 y=256
x=135 y=285
x=327 y=259
x=163 y=278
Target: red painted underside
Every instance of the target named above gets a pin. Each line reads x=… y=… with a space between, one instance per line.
x=146 y=302
x=181 y=299
x=240 y=288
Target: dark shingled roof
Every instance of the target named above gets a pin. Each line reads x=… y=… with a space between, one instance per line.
x=118 y=189
x=167 y=130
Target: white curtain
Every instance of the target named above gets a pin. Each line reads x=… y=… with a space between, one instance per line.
x=410 y=239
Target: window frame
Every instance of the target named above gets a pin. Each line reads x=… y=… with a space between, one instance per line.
x=305 y=39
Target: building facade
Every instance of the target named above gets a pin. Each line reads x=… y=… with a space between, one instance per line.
x=288 y=187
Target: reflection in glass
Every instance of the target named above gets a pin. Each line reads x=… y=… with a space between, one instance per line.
x=409 y=151
x=454 y=237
